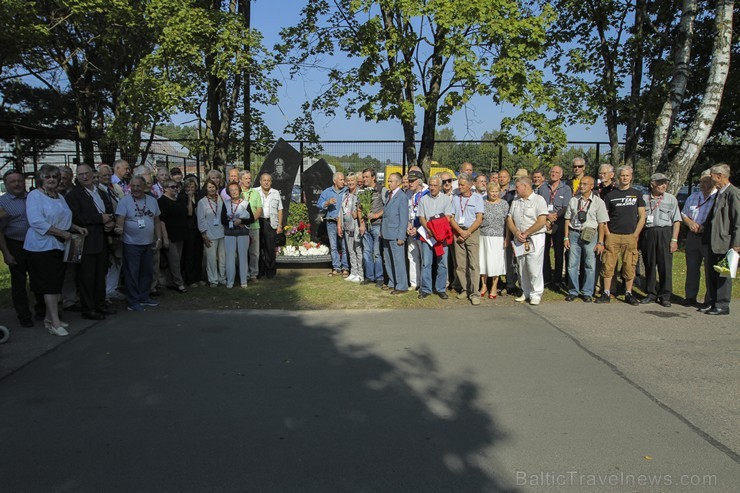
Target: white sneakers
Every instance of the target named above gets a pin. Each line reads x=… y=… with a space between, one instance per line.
x=520 y=299
x=353 y=278
x=535 y=300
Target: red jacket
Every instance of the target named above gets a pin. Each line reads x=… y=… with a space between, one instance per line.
x=440 y=228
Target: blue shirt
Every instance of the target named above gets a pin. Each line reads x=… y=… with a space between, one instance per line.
x=332 y=210
x=557 y=200
x=697 y=208
x=465 y=208
x=15 y=224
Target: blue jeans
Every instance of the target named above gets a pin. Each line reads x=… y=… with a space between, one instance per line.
x=338 y=261
x=580 y=248
x=371 y=254
x=427 y=258
x=395 y=265
x=138 y=268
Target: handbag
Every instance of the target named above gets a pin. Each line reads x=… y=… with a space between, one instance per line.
x=280 y=239
x=588 y=234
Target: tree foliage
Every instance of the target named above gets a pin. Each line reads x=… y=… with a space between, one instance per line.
x=405 y=58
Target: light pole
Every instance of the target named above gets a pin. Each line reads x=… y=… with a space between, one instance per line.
x=247 y=127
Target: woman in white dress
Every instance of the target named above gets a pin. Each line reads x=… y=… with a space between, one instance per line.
x=493 y=238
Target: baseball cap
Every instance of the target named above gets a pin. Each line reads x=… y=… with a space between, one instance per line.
x=415 y=175
x=659 y=177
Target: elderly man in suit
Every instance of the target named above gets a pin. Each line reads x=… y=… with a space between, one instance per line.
x=394 y=230
x=721 y=233
x=92 y=210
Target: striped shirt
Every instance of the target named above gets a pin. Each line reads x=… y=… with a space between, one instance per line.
x=15 y=224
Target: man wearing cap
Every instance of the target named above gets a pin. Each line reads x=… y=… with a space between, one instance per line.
x=557 y=195
x=694 y=215
x=417 y=189
x=626 y=208
x=659 y=240
x=721 y=233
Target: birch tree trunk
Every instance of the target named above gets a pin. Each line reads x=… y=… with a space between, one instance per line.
x=677 y=91
x=698 y=131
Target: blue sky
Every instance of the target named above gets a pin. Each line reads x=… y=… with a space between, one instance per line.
x=481 y=115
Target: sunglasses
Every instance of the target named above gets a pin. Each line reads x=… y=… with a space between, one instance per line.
x=445 y=182
x=578 y=166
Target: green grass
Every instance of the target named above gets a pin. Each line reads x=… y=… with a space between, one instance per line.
x=312 y=289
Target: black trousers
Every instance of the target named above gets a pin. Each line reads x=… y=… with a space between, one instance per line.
x=91 y=280
x=268 y=266
x=655 y=246
x=191 y=264
x=511 y=269
x=719 y=289
x=557 y=239
x=18 y=276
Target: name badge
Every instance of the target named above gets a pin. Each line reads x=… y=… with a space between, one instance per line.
x=231 y=224
x=550 y=208
x=141 y=223
x=649 y=220
x=216 y=222
x=461 y=220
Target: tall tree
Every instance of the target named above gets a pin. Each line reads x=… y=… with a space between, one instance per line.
x=416 y=56
x=701 y=125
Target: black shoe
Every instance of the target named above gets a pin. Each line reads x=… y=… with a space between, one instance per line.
x=645 y=301
x=154 y=292
x=26 y=322
x=106 y=311
x=629 y=298
x=379 y=284
x=72 y=308
x=718 y=311
x=443 y=295
x=689 y=302
x=587 y=299
x=423 y=295
x=604 y=298
x=570 y=297
x=93 y=315
x=365 y=282
x=705 y=308
x=664 y=302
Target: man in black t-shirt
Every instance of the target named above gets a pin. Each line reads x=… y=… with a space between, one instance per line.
x=626 y=208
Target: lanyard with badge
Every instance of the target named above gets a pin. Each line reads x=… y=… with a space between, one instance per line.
x=650 y=217
x=140 y=213
x=695 y=209
x=551 y=205
x=216 y=221
x=233 y=212
x=461 y=215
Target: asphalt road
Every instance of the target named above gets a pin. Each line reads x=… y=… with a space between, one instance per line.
x=468 y=400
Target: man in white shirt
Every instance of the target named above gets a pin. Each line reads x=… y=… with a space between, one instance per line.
x=271 y=224
x=526 y=222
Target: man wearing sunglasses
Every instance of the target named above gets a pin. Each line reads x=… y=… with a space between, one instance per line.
x=579 y=171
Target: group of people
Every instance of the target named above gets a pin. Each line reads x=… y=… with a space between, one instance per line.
x=446 y=235
x=462 y=235
x=140 y=231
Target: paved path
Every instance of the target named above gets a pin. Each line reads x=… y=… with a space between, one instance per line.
x=445 y=400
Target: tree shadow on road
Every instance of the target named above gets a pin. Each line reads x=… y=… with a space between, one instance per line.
x=244 y=401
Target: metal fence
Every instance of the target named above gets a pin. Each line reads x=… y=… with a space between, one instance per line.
x=486 y=156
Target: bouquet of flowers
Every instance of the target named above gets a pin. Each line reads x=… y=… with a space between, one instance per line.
x=298 y=234
x=727 y=267
x=365 y=201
